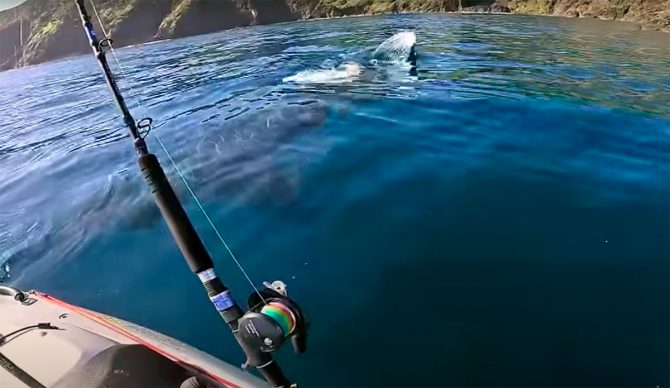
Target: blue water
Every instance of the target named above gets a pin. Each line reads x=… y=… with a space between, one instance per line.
x=501 y=218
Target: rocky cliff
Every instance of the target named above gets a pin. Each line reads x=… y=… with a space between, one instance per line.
x=649 y=14
x=41 y=30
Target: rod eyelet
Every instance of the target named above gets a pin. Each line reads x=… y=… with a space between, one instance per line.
x=105 y=44
x=144 y=126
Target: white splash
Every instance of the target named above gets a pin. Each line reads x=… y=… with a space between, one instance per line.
x=345 y=72
x=397 y=48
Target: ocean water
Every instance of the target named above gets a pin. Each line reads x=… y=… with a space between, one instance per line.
x=498 y=217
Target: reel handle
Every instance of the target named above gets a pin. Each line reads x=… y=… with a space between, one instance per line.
x=299 y=342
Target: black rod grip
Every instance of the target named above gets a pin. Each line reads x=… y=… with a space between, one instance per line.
x=274 y=375
x=260 y=360
x=175 y=217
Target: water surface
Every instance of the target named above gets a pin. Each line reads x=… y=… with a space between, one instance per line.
x=501 y=218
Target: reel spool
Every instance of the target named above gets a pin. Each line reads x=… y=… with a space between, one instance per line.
x=272 y=319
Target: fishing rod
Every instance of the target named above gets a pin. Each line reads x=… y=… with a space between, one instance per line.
x=272 y=317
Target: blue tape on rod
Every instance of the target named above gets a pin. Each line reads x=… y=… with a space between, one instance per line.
x=223 y=301
x=91 y=34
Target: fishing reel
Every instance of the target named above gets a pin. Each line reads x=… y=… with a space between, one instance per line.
x=272 y=318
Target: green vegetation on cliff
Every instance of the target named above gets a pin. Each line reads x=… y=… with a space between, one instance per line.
x=42 y=30
x=387 y=6
x=652 y=14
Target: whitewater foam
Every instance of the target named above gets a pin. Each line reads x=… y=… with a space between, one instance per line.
x=345 y=72
x=398 y=49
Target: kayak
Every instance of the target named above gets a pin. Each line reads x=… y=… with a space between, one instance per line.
x=46 y=342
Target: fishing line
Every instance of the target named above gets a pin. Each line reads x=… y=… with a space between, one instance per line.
x=211 y=223
x=141 y=106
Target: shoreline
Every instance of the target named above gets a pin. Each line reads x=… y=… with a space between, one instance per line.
x=639 y=26
x=634 y=26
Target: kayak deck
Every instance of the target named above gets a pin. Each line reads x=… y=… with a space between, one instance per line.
x=86 y=348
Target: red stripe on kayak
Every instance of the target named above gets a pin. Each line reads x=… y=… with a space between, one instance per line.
x=91 y=315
